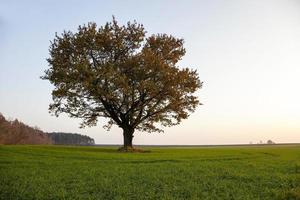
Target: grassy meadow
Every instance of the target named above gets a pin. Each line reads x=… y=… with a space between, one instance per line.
x=69 y=172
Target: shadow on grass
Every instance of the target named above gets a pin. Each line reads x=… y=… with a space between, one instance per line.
x=82 y=148
x=152 y=161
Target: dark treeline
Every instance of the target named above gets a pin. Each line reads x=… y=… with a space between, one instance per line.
x=70 y=139
x=16 y=132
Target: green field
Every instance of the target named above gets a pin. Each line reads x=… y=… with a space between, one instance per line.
x=61 y=172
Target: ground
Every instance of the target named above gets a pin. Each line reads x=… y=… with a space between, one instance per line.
x=63 y=172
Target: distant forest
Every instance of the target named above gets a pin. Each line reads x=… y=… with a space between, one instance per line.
x=70 y=139
x=16 y=132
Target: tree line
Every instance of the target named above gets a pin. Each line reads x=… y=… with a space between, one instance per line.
x=70 y=139
x=16 y=132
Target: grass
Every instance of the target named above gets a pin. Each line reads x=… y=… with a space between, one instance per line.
x=64 y=172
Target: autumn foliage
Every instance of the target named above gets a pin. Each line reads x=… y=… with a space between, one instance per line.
x=16 y=132
x=117 y=72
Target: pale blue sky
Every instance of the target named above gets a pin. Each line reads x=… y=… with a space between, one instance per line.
x=246 y=52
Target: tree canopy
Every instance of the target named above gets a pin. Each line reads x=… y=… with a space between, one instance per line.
x=115 y=71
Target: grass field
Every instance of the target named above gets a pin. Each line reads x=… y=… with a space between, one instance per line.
x=61 y=172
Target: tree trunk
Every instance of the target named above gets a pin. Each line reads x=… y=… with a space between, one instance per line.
x=128 y=136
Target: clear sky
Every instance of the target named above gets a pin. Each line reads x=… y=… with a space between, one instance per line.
x=247 y=54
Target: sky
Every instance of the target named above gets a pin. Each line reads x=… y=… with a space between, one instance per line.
x=247 y=54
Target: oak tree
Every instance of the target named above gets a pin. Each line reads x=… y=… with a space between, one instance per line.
x=115 y=71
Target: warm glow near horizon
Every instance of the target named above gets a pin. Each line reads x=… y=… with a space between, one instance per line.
x=247 y=54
